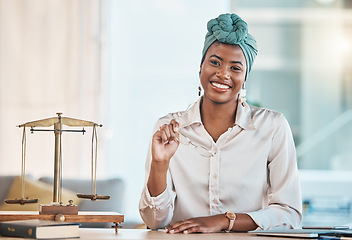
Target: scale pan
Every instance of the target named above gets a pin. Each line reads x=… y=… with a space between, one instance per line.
x=21 y=201
x=93 y=197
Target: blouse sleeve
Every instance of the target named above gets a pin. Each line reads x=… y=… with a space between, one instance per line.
x=284 y=193
x=156 y=212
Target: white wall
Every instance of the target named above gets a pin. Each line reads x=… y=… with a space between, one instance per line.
x=49 y=63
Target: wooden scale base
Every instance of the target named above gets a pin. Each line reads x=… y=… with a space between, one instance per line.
x=82 y=216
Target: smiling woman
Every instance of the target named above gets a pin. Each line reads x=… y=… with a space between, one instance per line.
x=250 y=178
x=224 y=71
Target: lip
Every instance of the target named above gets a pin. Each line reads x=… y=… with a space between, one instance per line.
x=220 y=86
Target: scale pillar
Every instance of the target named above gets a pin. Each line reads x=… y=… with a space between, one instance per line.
x=57 y=208
x=57 y=164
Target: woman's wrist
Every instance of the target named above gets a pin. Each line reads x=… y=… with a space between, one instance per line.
x=223 y=222
x=159 y=166
x=157 y=178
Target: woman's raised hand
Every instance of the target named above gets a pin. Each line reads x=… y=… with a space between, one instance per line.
x=164 y=145
x=165 y=142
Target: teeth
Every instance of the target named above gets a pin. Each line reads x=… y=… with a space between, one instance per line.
x=222 y=86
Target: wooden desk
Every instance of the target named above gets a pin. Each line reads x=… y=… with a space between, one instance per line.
x=140 y=234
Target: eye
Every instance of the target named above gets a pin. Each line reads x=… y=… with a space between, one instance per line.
x=215 y=62
x=234 y=68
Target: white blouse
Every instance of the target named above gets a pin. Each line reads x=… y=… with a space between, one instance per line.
x=252 y=170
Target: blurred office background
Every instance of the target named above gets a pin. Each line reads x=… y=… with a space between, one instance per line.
x=126 y=63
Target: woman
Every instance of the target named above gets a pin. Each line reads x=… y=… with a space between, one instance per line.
x=222 y=164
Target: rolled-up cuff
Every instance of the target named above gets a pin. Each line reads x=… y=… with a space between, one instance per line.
x=262 y=221
x=156 y=202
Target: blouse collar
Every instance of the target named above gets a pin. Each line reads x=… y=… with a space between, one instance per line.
x=243 y=116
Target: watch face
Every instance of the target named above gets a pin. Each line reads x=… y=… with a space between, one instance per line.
x=230 y=215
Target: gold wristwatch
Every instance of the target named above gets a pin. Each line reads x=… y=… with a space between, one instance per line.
x=232 y=217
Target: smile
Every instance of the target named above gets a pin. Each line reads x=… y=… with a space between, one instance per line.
x=219 y=85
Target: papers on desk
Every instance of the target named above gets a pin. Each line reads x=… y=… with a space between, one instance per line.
x=306 y=233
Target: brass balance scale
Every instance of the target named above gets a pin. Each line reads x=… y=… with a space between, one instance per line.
x=57 y=210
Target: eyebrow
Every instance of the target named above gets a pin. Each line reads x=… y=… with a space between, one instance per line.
x=221 y=59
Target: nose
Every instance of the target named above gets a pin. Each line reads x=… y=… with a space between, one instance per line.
x=223 y=73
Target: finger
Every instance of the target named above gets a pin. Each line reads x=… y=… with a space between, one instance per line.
x=194 y=229
x=172 y=133
x=157 y=135
x=177 y=224
x=175 y=129
x=166 y=128
x=184 y=226
x=169 y=229
x=165 y=133
x=182 y=229
x=175 y=125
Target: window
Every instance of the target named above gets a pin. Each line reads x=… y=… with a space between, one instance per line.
x=303 y=70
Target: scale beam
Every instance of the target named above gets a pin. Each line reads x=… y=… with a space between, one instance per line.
x=71 y=122
x=93 y=197
x=21 y=201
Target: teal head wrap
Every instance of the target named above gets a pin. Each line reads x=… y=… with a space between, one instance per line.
x=231 y=29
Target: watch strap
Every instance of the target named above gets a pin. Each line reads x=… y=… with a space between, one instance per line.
x=232 y=220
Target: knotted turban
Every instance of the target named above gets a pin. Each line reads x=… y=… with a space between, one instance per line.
x=231 y=29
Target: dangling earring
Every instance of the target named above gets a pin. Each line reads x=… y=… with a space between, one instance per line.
x=243 y=95
x=199 y=91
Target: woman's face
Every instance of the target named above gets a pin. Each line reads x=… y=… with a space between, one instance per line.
x=223 y=72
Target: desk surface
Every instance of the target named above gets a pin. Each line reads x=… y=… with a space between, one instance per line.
x=138 y=234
